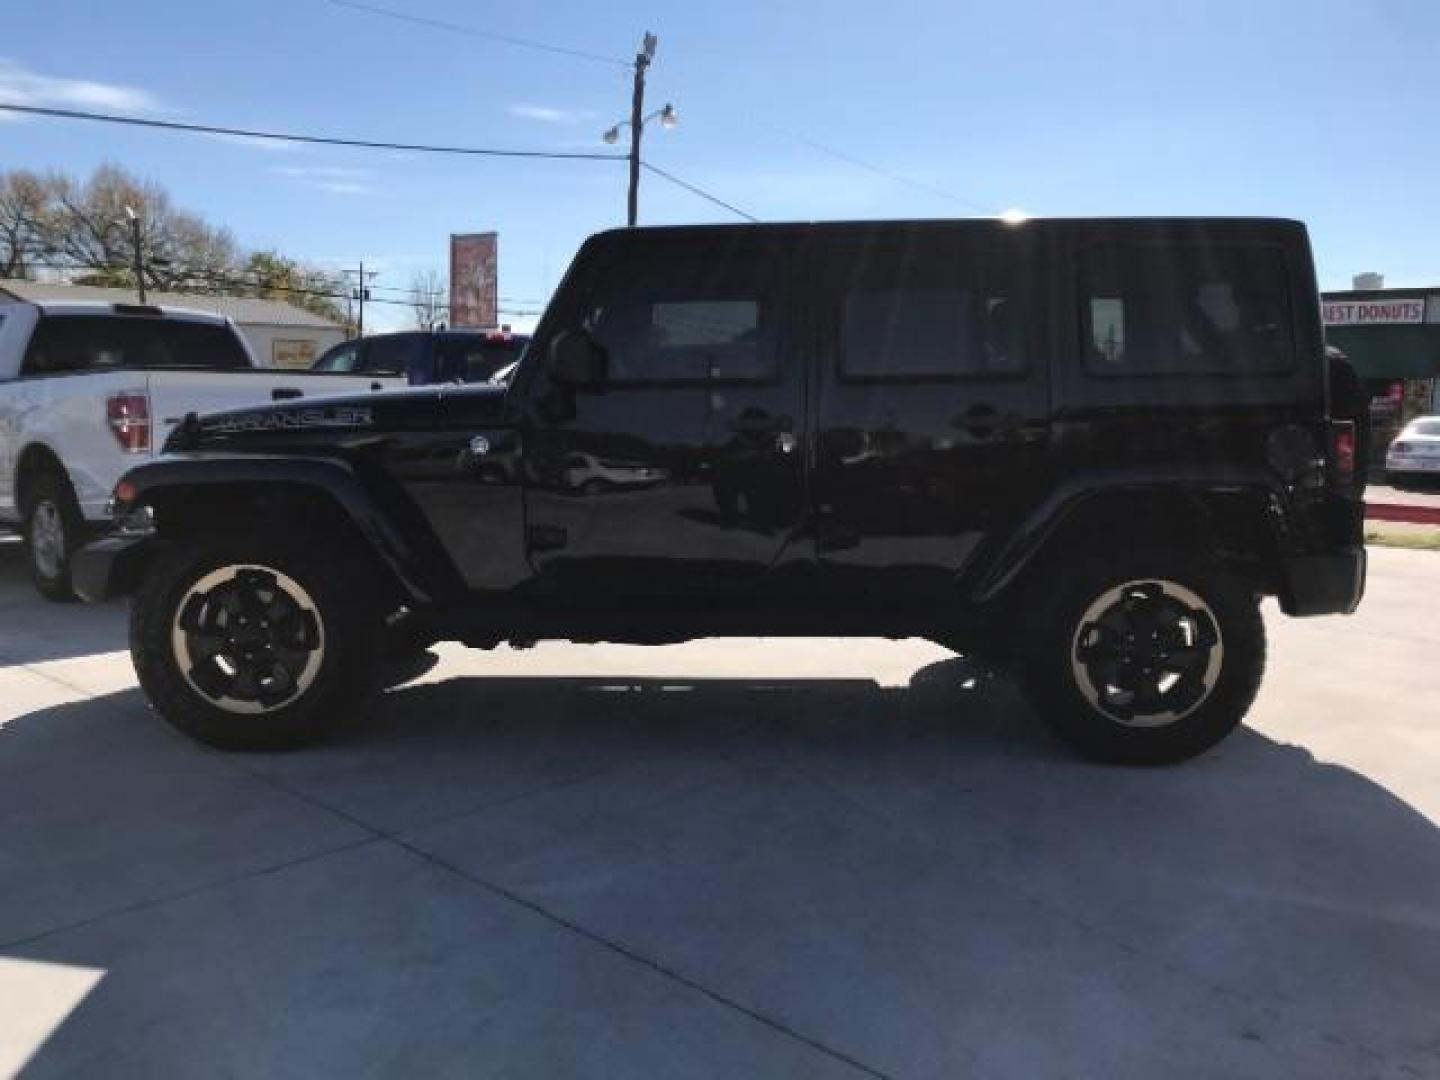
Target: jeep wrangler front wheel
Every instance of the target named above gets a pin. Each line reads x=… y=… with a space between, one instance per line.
x=1144 y=661
x=253 y=644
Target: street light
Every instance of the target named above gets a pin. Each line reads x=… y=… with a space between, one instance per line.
x=667 y=116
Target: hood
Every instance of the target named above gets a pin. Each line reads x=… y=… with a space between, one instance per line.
x=341 y=421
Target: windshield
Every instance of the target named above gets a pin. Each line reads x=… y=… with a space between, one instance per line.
x=1426 y=427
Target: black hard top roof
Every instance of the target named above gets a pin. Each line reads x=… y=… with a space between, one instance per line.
x=1159 y=224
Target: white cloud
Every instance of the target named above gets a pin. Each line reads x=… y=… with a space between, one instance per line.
x=272 y=145
x=332 y=179
x=548 y=114
x=342 y=187
x=321 y=172
x=21 y=86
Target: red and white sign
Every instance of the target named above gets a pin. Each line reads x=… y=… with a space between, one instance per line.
x=1373 y=312
x=473 y=279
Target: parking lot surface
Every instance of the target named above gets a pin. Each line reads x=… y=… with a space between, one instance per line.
x=730 y=858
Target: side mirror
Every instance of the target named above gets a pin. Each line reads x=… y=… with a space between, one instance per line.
x=576 y=359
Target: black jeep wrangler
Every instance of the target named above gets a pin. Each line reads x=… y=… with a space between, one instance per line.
x=1088 y=448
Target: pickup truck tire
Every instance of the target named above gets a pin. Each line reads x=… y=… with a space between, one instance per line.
x=256 y=643
x=1143 y=659
x=54 y=530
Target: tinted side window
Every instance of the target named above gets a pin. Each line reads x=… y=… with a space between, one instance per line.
x=391 y=355
x=691 y=315
x=103 y=342
x=930 y=307
x=1185 y=309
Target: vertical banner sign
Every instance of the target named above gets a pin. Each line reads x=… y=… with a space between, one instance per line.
x=473 y=279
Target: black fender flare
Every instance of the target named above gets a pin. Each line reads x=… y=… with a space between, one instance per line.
x=1062 y=504
x=392 y=527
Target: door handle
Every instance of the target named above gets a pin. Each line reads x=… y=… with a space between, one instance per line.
x=285 y=393
x=987 y=422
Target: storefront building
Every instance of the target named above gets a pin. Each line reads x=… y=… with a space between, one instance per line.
x=1392 y=339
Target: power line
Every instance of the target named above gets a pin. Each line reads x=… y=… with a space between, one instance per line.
x=326 y=140
x=473 y=31
x=697 y=191
x=880 y=170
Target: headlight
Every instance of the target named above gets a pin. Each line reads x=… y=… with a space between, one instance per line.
x=1399 y=448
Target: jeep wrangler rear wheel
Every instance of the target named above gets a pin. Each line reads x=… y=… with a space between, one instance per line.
x=253 y=643
x=1144 y=661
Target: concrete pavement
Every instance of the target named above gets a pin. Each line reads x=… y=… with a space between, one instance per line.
x=737 y=858
x=1420 y=493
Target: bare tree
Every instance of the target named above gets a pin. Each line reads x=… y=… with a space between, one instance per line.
x=80 y=230
x=27 y=223
x=63 y=223
x=428 y=290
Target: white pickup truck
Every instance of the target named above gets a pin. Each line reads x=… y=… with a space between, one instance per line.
x=88 y=390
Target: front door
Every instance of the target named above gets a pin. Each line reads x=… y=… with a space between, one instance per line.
x=931 y=402
x=681 y=475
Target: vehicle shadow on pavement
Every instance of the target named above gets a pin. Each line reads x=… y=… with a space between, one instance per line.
x=620 y=876
x=34 y=630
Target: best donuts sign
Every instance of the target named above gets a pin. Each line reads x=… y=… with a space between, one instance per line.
x=1373 y=312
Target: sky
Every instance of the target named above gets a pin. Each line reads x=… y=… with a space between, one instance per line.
x=1321 y=110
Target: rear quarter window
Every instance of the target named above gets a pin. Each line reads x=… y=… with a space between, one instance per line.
x=1185 y=309
x=70 y=343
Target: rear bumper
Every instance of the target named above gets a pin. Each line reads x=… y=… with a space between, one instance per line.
x=110 y=567
x=1330 y=584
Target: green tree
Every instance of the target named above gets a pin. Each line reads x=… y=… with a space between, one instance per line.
x=276 y=277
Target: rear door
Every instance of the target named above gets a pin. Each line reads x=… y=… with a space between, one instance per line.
x=931 y=401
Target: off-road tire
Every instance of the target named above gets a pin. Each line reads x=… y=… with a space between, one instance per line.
x=51 y=507
x=1049 y=644
x=350 y=664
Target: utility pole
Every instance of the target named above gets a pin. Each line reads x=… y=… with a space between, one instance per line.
x=137 y=255
x=637 y=124
x=361 y=292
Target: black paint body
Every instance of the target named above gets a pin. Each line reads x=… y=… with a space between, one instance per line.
x=803 y=500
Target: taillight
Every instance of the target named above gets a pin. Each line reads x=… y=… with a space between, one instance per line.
x=1342 y=450
x=129 y=418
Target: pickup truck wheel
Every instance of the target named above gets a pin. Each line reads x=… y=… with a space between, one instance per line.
x=54 y=530
x=1144 y=661
x=254 y=644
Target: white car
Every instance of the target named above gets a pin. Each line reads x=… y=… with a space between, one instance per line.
x=1415 y=451
x=88 y=390
x=587 y=473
